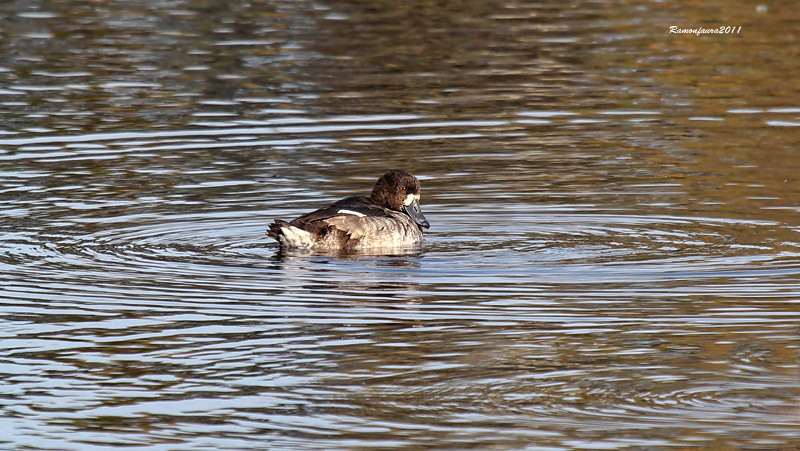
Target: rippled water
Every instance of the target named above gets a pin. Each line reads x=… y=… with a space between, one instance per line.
x=613 y=260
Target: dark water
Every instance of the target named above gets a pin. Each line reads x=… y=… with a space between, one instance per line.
x=613 y=262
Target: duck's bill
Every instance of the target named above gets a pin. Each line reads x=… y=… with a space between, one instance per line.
x=414 y=211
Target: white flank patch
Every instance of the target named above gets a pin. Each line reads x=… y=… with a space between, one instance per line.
x=351 y=212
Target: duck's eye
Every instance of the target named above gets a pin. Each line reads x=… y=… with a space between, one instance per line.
x=403 y=189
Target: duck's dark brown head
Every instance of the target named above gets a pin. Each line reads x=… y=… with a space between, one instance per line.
x=400 y=191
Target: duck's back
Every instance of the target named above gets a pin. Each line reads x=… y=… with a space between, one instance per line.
x=352 y=223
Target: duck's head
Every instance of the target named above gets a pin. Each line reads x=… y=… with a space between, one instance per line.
x=400 y=191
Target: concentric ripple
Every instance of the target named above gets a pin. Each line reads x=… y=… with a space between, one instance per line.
x=565 y=323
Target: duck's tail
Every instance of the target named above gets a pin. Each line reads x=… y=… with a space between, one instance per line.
x=290 y=236
x=276 y=229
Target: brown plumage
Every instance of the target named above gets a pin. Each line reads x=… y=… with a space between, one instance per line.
x=390 y=217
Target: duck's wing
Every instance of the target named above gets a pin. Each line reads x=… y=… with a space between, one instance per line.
x=349 y=219
x=351 y=207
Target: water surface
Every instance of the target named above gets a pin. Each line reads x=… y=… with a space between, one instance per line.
x=613 y=254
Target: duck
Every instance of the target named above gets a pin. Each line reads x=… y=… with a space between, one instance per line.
x=390 y=217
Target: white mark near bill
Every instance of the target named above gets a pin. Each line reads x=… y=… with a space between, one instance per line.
x=410 y=199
